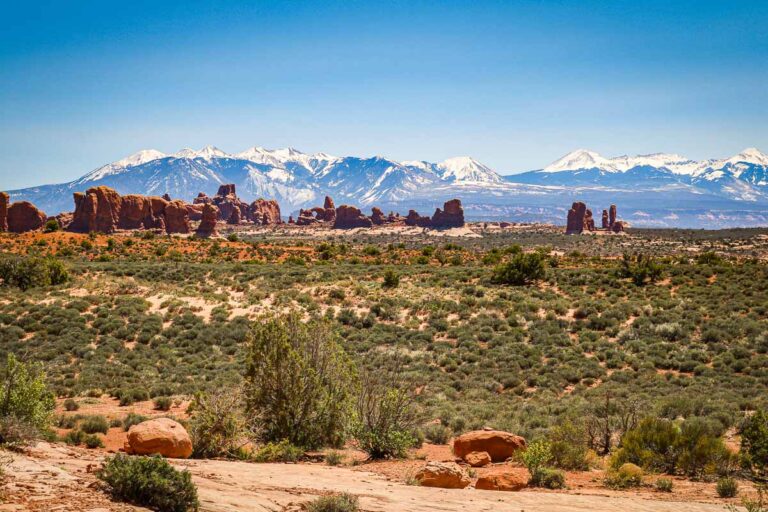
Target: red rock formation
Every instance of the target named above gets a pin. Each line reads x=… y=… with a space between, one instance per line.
x=207 y=225
x=226 y=190
x=306 y=218
x=589 y=221
x=96 y=210
x=451 y=216
x=264 y=212
x=576 y=218
x=134 y=211
x=167 y=197
x=414 y=219
x=64 y=219
x=4 y=202
x=446 y=475
x=195 y=211
x=618 y=226
x=23 y=216
x=348 y=217
x=502 y=482
x=290 y=220
x=176 y=217
x=161 y=436
x=500 y=445
x=611 y=216
x=377 y=216
x=234 y=217
x=605 y=223
x=328 y=204
x=202 y=198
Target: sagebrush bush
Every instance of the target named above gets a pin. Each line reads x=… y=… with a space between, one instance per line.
x=28 y=272
x=754 y=442
x=627 y=475
x=282 y=451
x=163 y=403
x=344 y=502
x=521 y=269
x=94 y=424
x=727 y=487
x=664 y=485
x=218 y=427
x=149 y=482
x=536 y=456
x=26 y=404
x=548 y=478
x=437 y=433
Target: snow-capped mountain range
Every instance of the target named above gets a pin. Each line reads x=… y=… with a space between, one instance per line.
x=655 y=187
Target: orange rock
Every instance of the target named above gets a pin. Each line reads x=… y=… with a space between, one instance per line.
x=161 y=436
x=446 y=475
x=478 y=459
x=4 y=202
x=502 y=482
x=500 y=445
x=23 y=216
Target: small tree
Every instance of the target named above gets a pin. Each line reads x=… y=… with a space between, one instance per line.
x=754 y=442
x=298 y=382
x=608 y=420
x=536 y=457
x=386 y=416
x=26 y=404
x=521 y=269
x=640 y=268
x=29 y=272
x=218 y=426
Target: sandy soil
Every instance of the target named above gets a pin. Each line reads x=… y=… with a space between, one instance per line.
x=55 y=477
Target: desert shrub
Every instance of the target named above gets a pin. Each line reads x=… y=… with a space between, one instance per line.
x=642 y=269
x=94 y=424
x=754 y=442
x=521 y=269
x=282 y=451
x=627 y=475
x=333 y=458
x=298 y=381
x=218 y=427
x=437 y=433
x=386 y=415
x=132 y=419
x=548 y=478
x=568 y=445
x=150 y=482
x=536 y=457
x=391 y=279
x=71 y=405
x=163 y=403
x=727 y=487
x=607 y=419
x=74 y=437
x=653 y=444
x=51 y=225
x=26 y=404
x=28 y=272
x=93 y=441
x=344 y=502
x=664 y=485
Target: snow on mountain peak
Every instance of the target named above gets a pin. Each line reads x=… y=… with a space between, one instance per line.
x=140 y=157
x=750 y=156
x=581 y=159
x=467 y=169
x=207 y=153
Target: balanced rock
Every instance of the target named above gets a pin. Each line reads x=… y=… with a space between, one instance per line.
x=161 y=436
x=447 y=475
x=501 y=482
x=612 y=216
x=207 y=226
x=498 y=444
x=451 y=216
x=605 y=223
x=23 y=216
x=589 y=221
x=478 y=459
x=348 y=217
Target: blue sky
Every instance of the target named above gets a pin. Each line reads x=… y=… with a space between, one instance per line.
x=516 y=84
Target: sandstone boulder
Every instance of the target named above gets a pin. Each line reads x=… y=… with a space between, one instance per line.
x=478 y=459
x=501 y=482
x=195 y=211
x=446 y=475
x=348 y=217
x=23 y=216
x=162 y=436
x=500 y=445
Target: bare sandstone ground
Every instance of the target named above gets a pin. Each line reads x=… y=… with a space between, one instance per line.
x=59 y=478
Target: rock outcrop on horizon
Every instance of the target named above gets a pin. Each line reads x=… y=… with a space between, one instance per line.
x=349 y=217
x=233 y=210
x=102 y=209
x=23 y=216
x=450 y=216
x=264 y=212
x=580 y=219
x=207 y=226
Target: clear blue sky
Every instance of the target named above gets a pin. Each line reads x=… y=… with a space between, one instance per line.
x=515 y=84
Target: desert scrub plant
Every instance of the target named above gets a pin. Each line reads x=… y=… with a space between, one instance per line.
x=149 y=482
x=218 y=426
x=163 y=403
x=282 y=451
x=94 y=424
x=28 y=272
x=627 y=475
x=132 y=419
x=93 y=441
x=437 y=433
x=548 y=478
x=522 y=269
x=754 y=442
x=391 y=279
x=664 y=485
x=26 y=404
x=344 y=502
x=334 y=458
x=641 y=269
x=535 y=458
x=727 y=487
x=71 y=405
x=298 y=382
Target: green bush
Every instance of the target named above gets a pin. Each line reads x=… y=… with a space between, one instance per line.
x=149 y=482
x=74 y=437
x=132 y=419
x=218 y=427
x=754 y=442
x=334 y=503
x=51 y=225
x=628 y=475
x=28 y=272
x=163 y=403
x=536 y=457
x=94 y=424
x=26 y=404
x=568 y=444
x=298 y=382
x=521 y=269
x=664 y=485
x=437 y=433
x=727 y=487
x=282 y=451
x=642 y=269
x=391 y=279
x=548 y=478
x=71 y=405
x=334 y=458
x=93 y=441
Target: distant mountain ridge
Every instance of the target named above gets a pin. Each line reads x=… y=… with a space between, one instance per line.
x=732 y=191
